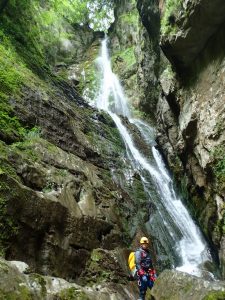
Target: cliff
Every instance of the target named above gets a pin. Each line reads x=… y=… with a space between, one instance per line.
x=191 y=109
x=68 y=211
x=135 y=54
x=62 y=212
x=189 y=91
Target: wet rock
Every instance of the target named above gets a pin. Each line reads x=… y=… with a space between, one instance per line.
x=135 y=53
x=222 y=256
x=59 y=233
x=21 y=266
x=173 y=285
x=191 y=110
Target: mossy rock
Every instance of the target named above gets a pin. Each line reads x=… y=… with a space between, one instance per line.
x=22 y=293
x=103 y=267
x=72 y=294
x=217 y=295
x=8 y=226
x=13 y=284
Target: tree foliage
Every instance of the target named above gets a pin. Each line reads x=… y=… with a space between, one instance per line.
x=38 y=27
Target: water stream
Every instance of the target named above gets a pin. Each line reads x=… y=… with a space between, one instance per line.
x=170 y=223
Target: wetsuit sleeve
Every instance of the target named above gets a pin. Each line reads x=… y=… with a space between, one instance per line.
x=138 y=259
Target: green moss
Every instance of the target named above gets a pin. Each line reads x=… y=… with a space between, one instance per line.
x=8 y=227
x=217 y=295
x=6 y=168
x=13 y=75
x=22 y=293
x=52 y=148
x=25 y=147
x=128 y=56
x=48 y=187
x=188 y=287
x=72 y=294
x=10 y=126
x=168 y=25
x=89 y=80
x=130 y=18
x=218 y=156
x=96 y=255
x=41 y=281
x=100 y=269
x=124 y=59
x=62 y=172
x=12 y=70
x=38 y=28
x=103 y=136
x=219 y=229
x=168 y=72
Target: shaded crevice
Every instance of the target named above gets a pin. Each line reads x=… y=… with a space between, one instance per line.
x=174 y=105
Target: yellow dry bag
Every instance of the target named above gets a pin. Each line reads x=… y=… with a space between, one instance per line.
x=131 y=263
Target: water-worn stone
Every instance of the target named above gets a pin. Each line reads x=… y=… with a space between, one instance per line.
x=174 y=285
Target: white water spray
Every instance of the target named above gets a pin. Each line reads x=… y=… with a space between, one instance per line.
x=175 y=221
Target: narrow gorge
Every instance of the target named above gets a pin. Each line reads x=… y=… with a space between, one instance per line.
x=112 y=127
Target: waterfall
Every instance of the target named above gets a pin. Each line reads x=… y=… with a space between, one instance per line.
x=170 y=222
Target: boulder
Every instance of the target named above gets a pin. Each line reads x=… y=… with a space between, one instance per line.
x=17 y=285
x=175 y=285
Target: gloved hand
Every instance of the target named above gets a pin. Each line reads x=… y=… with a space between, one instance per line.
x=141 y=272
x=144 y=278
x=152 y=274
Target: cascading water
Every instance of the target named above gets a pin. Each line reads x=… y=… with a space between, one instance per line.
x=170 y=223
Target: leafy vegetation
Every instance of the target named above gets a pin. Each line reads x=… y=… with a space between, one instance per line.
x=130 y=18
x=12 y=74
x=25 y=146
x=128 y=56
x=38 y=28
x=215 y=295
x=73 y=294
x=168 y=24
x=123 y=60
x=100 y=14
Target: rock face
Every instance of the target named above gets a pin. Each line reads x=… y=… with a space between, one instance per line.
x=60 y=195
x=62 y=211
x=191 y=114
x=174 y=285
x=194 y=22
x=136 y=52
x=59 y=201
